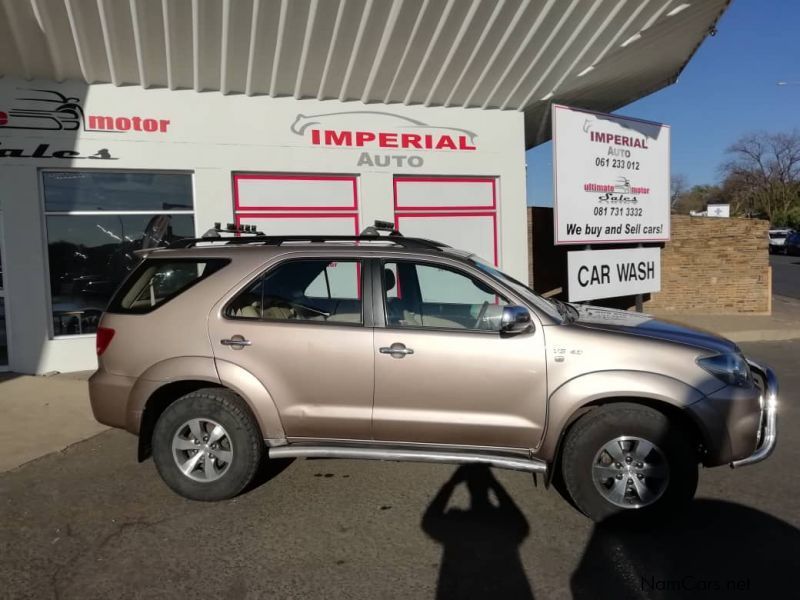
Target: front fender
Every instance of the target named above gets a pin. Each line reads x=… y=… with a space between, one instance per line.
x=586 y=389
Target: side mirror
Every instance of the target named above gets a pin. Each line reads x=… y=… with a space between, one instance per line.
x=516 y=319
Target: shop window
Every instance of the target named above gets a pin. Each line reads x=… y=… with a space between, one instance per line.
x=95 y=222
x=297 y=203
x=459 y=211
x=3 y=330
x=3 y=334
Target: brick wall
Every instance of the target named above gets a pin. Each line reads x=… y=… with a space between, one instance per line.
x=714 y=266
x=711 y=266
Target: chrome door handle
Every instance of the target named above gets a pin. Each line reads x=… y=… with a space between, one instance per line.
x=396 y=350
x=235 y=341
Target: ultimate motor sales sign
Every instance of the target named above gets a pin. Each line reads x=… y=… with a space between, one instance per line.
x=611 y=178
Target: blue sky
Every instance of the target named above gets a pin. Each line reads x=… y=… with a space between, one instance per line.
x=729 y=88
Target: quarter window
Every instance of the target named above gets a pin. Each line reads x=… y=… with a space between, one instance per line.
x=304 y=290
x=95 y=221
x=157 y=281
x=432 y=296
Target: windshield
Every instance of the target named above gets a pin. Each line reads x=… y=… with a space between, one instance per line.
x=548 y=306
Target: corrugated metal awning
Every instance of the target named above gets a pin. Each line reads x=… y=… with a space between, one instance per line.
x=485 y=54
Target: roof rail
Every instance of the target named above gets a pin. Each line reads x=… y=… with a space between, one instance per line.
x=277 y=240
x=251 y=236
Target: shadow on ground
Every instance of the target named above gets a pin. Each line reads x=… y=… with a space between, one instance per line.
x=714 y=550
x=480 y=554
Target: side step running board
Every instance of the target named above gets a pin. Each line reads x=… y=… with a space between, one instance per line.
x=410 y=455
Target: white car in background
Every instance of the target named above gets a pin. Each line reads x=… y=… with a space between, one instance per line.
x=777 y=238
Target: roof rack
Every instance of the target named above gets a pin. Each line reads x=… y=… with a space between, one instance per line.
x=277 y=240
x=370 y=234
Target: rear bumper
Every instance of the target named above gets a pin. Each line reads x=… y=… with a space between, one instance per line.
x=768 y=425
x=109 y=395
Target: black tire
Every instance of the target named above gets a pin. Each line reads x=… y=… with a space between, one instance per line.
x=247 y=445
x=588 y=436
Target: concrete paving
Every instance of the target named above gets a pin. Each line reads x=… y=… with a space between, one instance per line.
x=90 y=522
x=782 y=324
x=41 y=415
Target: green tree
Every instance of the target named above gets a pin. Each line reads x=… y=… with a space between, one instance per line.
x=697 y=198
x=762 y=176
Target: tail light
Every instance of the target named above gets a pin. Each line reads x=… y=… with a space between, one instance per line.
x=104 y=337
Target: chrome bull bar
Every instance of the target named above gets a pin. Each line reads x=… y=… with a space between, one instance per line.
x=768 y=434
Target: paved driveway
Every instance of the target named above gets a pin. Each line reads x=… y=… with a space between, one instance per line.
x=785 y=275
x=90 y=522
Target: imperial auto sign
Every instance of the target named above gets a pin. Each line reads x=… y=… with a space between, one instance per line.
x=611 y=178
x=386 y=131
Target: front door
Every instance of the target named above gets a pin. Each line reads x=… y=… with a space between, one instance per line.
x=303 y=325
x=443 y=372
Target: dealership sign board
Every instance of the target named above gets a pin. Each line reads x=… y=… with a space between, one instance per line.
x=611 y=178
x=596 y=274
x=378 y=139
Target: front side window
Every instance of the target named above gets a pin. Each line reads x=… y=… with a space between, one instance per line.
x=303 y=290
x=95 y=221
x=431 y=296
x=547 y=306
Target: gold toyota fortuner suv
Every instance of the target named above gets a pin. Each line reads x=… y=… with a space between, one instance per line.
x=224 y=352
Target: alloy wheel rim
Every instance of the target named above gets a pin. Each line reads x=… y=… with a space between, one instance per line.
x=202 y=449
x=630 y=472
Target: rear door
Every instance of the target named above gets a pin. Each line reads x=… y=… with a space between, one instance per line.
x=443 y=372
x=300 y=328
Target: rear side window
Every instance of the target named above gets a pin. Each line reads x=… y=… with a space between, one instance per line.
x=157 y=281
x=315 y=290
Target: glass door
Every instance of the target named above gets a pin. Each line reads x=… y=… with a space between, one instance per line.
x=3 y=330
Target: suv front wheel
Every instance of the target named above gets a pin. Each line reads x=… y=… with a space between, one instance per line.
x=628 y=459
x=207 y=445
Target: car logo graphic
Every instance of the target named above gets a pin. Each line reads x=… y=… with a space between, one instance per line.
x=46 y=110
x=354 y=120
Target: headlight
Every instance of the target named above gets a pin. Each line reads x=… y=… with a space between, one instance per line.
x=730 y=368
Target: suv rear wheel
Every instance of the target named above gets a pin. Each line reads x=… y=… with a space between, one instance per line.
x=628 y=458
x=207 y=445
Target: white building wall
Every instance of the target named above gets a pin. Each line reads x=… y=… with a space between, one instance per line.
x=214 y=136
